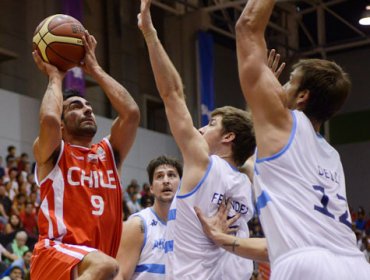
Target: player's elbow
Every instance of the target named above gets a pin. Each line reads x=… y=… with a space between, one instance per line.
x=133 y=113
x=50 y=119
x=244 y=25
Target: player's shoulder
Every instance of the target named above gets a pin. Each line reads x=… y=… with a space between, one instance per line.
x=134 y=225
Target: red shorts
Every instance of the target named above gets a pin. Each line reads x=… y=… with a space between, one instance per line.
x=56 y=260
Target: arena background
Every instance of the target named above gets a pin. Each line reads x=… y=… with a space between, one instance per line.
x=324 y=29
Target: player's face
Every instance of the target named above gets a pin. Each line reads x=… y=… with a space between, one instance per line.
x=79 y=118
x=291 y=88
x=212 y=132
x=165 y=182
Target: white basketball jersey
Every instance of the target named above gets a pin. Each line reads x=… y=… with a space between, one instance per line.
x=189 y=253
x=301 y=195
x=151 y=263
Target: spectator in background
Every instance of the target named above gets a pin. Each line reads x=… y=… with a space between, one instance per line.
x=367 y=226
x=360 y=221
x=18 y=246
x=23 y=263
x=30 y=181
x=11 y=163
x=147 y=198
x=14 y=274
x=22 y=162
x=126 y=211
x=12 y=151
x=29 y=220
x=12 y=183
x=5 y=200
x=19 y=203
x=131 y=188
x=35 y=200
x=2 y=169
x=5 y=253
x=133 y=203
x=22 y=184
x=14 y=224
x=145 y=190
x=146 y=201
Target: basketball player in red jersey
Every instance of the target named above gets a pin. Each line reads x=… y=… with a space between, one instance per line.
x=80 y=219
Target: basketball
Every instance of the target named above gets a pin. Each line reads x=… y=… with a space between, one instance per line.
x=58 y=40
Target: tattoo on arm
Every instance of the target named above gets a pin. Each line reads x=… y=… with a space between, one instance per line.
x=232 y=245
x=142 y=227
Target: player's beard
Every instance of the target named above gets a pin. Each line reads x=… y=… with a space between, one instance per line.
x=164 y=199
x=87 y=130
x=84 y=130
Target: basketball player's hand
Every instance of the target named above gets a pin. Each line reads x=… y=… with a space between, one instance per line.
x=219 y=223
x=90 y=63
x=273 y=61
x=47 y=68
x=144 y=19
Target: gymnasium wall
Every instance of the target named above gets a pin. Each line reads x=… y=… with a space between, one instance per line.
x=19 y=127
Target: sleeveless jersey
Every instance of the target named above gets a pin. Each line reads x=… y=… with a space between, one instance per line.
x=151 y=263
x=189 y=253
x=301 y=195
x=81 y=199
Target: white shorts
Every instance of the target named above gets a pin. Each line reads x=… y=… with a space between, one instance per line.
x=319 y=263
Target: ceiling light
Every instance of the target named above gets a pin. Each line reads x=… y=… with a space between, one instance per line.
x=365 y=17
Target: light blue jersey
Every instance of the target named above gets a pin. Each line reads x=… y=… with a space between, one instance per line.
x=189 y=253
x=151 y=264
x=301 y=199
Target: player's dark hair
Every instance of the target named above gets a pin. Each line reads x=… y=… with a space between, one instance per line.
x=328 y=87
x=163 y=160
x=240 y=123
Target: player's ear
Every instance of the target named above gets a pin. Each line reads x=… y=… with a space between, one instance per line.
x=302 y=99
x=228 y=137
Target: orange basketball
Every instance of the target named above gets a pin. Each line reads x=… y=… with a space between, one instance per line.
x=58 y=40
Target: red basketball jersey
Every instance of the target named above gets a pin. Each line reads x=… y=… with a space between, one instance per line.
x=81 y=199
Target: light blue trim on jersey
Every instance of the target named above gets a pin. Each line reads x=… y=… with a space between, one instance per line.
x=159 y=219
x=283 y=150
x=168 y=246
x=262 y=201
x=319 y=136
x=232 y=167
x=200 y=183
x=151 y=268
x=171 y=215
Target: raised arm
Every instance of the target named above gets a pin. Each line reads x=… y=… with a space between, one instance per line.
x=132 y=239
x=50 y=135
x=124 y=127
x=192 y=145
x=262 y=91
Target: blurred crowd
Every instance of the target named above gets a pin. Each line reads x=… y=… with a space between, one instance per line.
x=19 y=205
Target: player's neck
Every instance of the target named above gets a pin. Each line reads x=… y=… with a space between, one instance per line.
x=78 y=141
x=161 y=209
x=229 y=159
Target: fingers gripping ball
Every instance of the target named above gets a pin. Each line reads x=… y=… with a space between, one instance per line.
x=58 y=40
